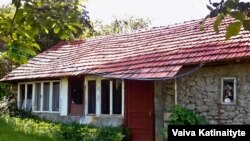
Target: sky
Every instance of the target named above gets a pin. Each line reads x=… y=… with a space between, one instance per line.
x=161 y=12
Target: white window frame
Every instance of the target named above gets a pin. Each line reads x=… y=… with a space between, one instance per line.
x=25 y=94
x=98 y=97
x=234 y=90
x=42 y=94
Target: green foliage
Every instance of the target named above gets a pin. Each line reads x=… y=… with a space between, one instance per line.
x=8 y=133
x=246 y=24
x=6 y=65
x=233 y=29
x=64 y=132
x=238 y=15
x=5 y=90
x=125 y=25
x=217 y=22
x=26 y=25
x=23 y=114
x=183 y=116
x=238 y=10
x=7 y=99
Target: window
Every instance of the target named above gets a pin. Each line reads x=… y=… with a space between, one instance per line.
x=22 y=96
x=104 y=96
x=228 y=90
x=55 y=96
x=117 y=96
x=43 y=95
x=37 y=101
x=76 y=90
x=46 y=88
x=91 y=97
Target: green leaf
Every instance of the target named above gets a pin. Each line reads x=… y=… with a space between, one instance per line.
x=233 y=29
x=246 y=25
x=56 y=30
x=76 y=25
x=63 y=4
x=230 y=4
x=217 y=22
x=36 y=46
x=46 y=30
x=238 y=15
x=72 y=28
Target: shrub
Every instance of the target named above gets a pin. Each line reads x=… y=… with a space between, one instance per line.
x=5 y=90
x=77 y=132
x=183 y=116
x=7 y=98
x=65 y=132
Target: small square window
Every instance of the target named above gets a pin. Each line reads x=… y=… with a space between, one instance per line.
x=228 y=90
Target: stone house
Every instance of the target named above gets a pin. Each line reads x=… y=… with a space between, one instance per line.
x=133 y=79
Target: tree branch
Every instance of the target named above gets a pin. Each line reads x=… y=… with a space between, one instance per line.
x=13 y=20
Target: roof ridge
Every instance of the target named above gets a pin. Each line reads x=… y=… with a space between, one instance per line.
x=144 y=30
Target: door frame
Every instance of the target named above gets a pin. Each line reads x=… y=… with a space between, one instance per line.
x=70 y=79
x=128 y=106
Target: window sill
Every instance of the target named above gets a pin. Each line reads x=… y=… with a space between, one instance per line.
x=233 y=103
x=105 y=116
x=49 y=112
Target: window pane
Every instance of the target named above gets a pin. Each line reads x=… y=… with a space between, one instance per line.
x=37 y=97
x=105 y=92
x=117 y=96
x=22 y=96
x=55 y=96
x=76 y=89
x=228 y=90
x=46 y=96
x=92 y=97
x=29 y=97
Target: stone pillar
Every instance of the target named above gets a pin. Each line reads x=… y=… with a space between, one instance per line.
x=159 y=110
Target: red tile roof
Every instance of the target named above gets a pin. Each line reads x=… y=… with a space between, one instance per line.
x=148 y=54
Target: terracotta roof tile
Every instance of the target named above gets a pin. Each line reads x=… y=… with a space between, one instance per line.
x=157 y=53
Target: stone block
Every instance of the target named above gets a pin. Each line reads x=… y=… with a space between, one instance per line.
x=202 y=108
x=213 y=122
x=166 y=116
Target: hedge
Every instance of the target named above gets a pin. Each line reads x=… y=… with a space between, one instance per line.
x=64 y=132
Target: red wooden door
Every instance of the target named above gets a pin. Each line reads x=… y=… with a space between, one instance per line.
x=140 y=109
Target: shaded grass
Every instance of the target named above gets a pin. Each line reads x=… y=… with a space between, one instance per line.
x=7 y=133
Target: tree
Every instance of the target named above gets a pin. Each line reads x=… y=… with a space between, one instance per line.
x=238 y=10
x=32 y=25
x=125 y=25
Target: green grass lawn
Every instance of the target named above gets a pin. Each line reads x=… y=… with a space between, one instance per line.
x=7 y=133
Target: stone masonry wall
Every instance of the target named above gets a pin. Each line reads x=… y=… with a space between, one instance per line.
x=201 y=92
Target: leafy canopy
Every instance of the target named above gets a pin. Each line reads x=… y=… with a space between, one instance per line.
x=125 y=25
x=238 y=10
x=29 y=23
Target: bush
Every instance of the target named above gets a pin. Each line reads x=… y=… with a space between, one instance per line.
x=7 y=98
x=5 y=90
x=65 y=132
x=76 y=132
x=23 y=114
x=183 y=116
